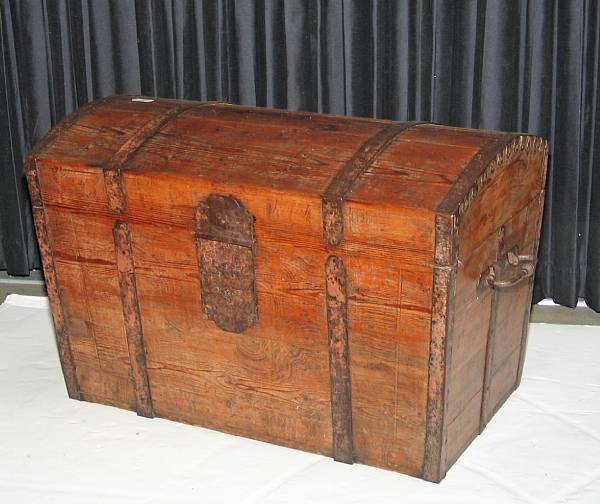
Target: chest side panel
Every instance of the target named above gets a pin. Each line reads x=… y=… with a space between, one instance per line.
x=488 y=334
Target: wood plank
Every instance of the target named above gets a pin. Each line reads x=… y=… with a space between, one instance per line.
x=467 y=363
x=502 y=384
x=72 y=187
x=395 y=414
x=95 y=318
x=378 y=231
x=461 y=431
x=105 y=388
x=241 y=414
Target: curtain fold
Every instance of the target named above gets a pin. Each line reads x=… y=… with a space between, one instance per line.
x=516 y=65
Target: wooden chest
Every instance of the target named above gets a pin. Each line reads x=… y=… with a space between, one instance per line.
x=352 y=287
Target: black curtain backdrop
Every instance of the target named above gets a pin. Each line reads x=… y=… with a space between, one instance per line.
x=517 y=65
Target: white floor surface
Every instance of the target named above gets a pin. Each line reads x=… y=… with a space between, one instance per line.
x=542 y=447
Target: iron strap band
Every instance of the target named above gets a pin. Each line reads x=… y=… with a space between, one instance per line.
x=347 y=178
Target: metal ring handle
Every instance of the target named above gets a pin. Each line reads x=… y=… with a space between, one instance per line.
x=526 y=265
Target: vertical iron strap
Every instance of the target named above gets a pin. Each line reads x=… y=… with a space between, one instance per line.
x=332 y=201
x=132 y=318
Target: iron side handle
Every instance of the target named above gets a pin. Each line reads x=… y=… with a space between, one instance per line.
x=524 y=262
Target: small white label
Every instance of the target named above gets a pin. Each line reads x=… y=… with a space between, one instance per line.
x=143 y=100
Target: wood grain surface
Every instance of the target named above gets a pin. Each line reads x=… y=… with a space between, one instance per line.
x=362 y=333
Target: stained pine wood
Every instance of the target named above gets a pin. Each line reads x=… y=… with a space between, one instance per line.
x=308 y=280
